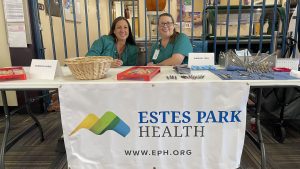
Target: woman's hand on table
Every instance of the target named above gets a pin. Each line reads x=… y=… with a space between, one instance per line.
x=116 y=63
x=151 y=64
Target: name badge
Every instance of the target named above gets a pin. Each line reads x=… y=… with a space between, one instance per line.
x=155 y=55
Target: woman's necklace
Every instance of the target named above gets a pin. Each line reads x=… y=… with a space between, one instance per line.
x=120 y=49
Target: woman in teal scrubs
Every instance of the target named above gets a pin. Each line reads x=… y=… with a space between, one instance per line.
x=119 y=44
x=173 y=47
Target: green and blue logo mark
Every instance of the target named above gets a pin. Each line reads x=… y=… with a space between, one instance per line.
x=109 y=121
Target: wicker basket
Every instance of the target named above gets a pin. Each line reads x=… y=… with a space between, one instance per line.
x=89 y=68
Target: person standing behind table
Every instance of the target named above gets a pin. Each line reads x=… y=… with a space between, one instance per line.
x=173 y=47
x=119 y=44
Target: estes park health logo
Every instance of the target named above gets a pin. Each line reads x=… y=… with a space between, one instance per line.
x=109 y=121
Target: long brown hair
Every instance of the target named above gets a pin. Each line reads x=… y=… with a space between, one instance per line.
x=130 y=38
x=175 y=33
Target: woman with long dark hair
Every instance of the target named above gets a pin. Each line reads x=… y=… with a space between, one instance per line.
x=173 y=47
x=119 y=44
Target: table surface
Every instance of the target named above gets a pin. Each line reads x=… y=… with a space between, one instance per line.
x=111 y=77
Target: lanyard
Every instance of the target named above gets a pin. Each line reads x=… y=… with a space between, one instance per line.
x=159 y=45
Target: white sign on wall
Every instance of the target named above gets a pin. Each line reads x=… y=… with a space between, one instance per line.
x=14 y=17
x=69 y=11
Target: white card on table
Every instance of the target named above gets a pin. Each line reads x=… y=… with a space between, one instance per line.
x=201 y=59
x=291 y=63
x=44 y=69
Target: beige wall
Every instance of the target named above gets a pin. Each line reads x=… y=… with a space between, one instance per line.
x=173 y=12
x=5 y=55
x=81 y=28
x=93 y=29
x=70 y=35
x=232 y=2
x=236 y=2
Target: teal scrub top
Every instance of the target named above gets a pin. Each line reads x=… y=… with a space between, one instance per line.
x=181 y=45
x=105 y=46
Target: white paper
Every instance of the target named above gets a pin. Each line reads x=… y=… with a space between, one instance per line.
x=288 y=63
x=244 y=52
x=13 y=10
x=68 y=9
x=44 y=69
x=295 y=73
x=201 y=59
x=16 y=35
x=188 y=8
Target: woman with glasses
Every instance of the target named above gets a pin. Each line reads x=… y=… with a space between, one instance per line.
x=119 y=44
x=173 y=47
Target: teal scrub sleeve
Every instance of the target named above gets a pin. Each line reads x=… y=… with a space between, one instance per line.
x=182 y=45
x=96 y=48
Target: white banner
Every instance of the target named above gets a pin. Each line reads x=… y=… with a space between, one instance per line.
x=154 y=125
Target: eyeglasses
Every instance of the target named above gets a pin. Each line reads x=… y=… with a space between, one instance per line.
x=168 y=24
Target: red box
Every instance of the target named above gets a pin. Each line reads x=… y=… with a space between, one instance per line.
x=281 y=69
x=145 y=73
x=12 y=73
